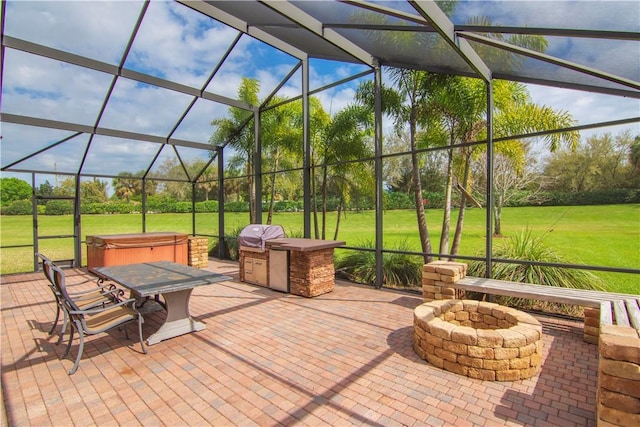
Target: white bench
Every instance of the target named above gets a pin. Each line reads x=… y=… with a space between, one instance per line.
x=582 y=297
x=591 y=300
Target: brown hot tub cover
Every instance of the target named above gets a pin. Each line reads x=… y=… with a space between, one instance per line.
x=118 y=241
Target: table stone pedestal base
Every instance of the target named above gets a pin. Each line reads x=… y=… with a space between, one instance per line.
x=178 y=321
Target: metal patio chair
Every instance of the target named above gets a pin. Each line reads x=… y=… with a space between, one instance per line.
x=94 y=320
x=103 y=295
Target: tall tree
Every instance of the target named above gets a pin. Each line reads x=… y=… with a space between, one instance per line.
x=514 y=114
x=12 y=189
x=281 y=143
x=94 y=191
x=512 y=175
x=454 y=114
x=406 y=103
x=66 y=187
x=344 y=139
x=127 y=185
x=237 y=131
x=208 y=180
x=599 y=163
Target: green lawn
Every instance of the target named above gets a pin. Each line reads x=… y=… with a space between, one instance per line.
x=594 y=235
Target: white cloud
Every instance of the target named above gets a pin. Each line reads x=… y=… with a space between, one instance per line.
x=122 y=155
x=104 y=26
x=142 y=108
x=196 y=126
x=179 y=44
x=589 y=108
x=40 y=87
x=620 y=15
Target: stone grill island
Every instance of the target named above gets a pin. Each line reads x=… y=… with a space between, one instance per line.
x=299 y=266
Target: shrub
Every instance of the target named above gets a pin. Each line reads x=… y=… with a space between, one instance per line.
x=93 y=208
x=295 y=233
x=231 y=247
x=59 y=207
x=398 y=200
x=236 y=207
x=398 y=270
x=110 y=208
x=17 y=207
x=161 y=204
x=207 y=206
x=123 y=208
x=609 y=197
x=433 y=199
x=182 y=207
x=288 y=206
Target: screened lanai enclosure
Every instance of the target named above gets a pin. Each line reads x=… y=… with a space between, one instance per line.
x=342 y=118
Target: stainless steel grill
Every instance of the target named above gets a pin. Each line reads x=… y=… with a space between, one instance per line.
x=254 y=235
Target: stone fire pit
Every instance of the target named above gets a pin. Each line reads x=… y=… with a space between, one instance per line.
x=478 y=339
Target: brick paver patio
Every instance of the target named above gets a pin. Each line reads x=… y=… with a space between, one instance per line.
x=268 y=358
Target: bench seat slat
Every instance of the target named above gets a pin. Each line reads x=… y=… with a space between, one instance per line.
x=605 y=313
x=620 y=310
x=634 y=312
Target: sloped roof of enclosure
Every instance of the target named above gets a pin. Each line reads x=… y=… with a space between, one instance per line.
x=98 y=88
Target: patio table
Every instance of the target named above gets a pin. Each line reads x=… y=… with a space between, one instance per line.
x=174 y=281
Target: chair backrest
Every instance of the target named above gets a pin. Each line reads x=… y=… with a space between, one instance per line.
x=46 y=266
x=59 y=282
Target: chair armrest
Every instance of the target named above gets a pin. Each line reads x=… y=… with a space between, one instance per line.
x=98 y=282
x=131 y=302
x=71 y=285
x=110 y=295
x=102 y=288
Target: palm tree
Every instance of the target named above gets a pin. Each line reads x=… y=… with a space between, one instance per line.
x=406 y=103
x=126 y=185
x=344 y=139
x=208 y=179
x=236 y=132
x=458 y=106
x=281 y=143
x=454 y=109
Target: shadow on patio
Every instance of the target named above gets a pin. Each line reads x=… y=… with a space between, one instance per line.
x=268 y=358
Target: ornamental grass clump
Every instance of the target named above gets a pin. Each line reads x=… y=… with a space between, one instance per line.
x=398 y=270
x=524 y=246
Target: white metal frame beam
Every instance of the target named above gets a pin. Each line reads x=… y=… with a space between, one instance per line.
x=308 y=22
x=552 y=60
x=430 y=11
x=210 y=10
x=75 y=127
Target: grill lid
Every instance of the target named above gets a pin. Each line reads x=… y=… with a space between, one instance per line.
x=254 y=235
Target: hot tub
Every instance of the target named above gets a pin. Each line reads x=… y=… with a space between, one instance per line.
x=119 y=249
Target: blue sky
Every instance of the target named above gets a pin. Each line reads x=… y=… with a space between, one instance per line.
x=181 y=45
